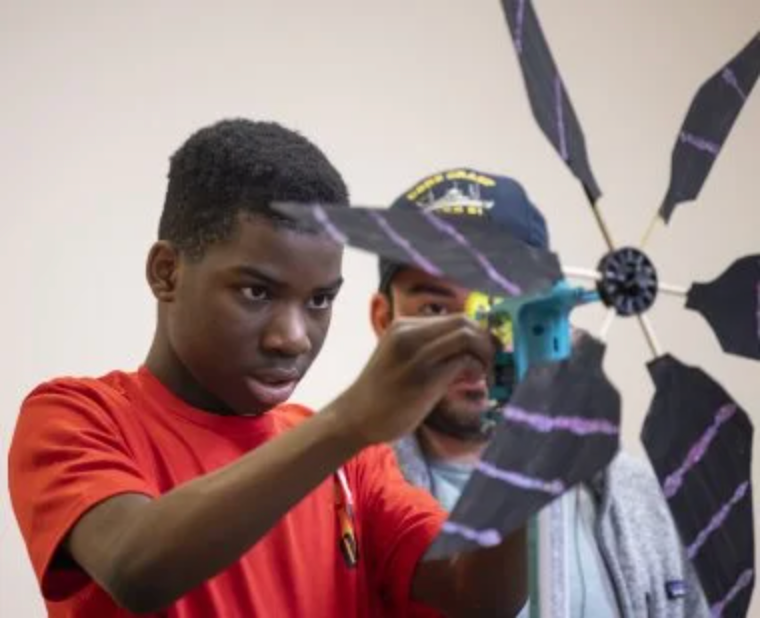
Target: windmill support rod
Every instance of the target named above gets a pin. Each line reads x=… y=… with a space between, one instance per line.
x=554 y=559
x=607 y=324
x=581 y=273
x=603 y=227
x=651 y=337
x=673 y=290
x=650 y=229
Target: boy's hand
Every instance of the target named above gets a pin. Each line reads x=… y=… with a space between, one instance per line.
x=409 y=373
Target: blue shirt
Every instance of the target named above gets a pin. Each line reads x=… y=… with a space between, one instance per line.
x=591 y=591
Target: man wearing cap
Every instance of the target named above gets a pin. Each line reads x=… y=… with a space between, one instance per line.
x=625 y=558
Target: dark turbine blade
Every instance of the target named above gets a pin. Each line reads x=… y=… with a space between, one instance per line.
x=700 y=444
x=478 y=254
x=708 y=123
x=550 y=102
x=731 y=305
x=560 y=428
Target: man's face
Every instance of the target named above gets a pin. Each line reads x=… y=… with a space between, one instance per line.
x=415 y=293
x=250 y=317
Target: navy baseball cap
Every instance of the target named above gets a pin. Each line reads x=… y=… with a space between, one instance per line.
x=469 y=193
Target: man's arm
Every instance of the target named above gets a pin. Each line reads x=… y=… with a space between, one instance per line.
x=148 y=552
x=486 y=582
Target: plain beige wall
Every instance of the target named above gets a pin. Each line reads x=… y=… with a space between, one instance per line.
x=95 y=96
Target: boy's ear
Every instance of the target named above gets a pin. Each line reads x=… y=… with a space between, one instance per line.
x=380 y=313
x=162 y=269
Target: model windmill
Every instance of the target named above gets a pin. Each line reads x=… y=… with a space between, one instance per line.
x=560 y=426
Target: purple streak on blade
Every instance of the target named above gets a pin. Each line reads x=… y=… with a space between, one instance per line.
x=540 y=422
x=520 y=480
x=717 y=520
x=421 y=261
x=324 y=220
x=559 y=111
x=519 y=26
x=743 y=582
x=701 y=144
x=674 y=481
x=485 y=537
x=729 y=77
x=492 y=273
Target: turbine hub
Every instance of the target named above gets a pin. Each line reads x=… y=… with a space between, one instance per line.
x=628 y=281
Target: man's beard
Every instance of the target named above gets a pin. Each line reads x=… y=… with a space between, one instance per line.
x=459 y=423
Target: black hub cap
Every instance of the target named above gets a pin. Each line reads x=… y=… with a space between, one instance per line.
x=629 y=281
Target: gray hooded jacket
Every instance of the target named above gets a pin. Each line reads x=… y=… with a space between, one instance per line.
x=635 y=533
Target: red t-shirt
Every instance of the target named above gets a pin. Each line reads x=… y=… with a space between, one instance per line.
x=80 y=441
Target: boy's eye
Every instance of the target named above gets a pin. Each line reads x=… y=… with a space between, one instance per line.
x=321 y=302
x=255 y=293
x=434 y=308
